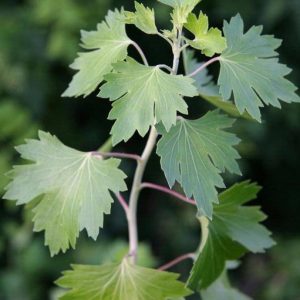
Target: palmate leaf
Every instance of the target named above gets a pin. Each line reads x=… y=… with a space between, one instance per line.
x=207 y=89
x=234 y=230
x=74 y=187
x=143 y=18
x=209 y=40
x=116 y=281
x=107 y=45
x=144 y=96
x=194 y=153
x=251 y=71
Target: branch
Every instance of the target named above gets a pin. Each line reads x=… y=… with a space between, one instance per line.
x=140 y=51
x=117 y=154
x=177 y=261
x=202 y=67
x=167 y=191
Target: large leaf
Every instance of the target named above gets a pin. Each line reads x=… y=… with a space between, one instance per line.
x=209 y=40
x=144 y=96
x=74 y=187
x=251 y=71
x=107 y=45
x=194 y=153
x=221 y=290
x=120 y=281
x=234 y=230
x=143 y=18
x=207 y=89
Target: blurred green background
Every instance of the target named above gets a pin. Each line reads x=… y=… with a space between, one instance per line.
x=38 y=40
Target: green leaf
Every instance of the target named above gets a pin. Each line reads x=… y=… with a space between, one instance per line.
x=107 y=45
x=251 y=71
x=207 y=89
x=143 y=18
x=209 y=40
x=143 y=97
x=234 y=230
x=74 y=187
x=182 y=8
x=194 y=153
x=119 y=282
x=221 y=290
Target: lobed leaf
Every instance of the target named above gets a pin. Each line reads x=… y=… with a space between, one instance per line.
x=251 y=71
x=234 y=230
x=74 y=187
x=107 y=45
x=194 y=153
x=143 y=18
x=209 y=40
x=144 y=96
x=116 y=281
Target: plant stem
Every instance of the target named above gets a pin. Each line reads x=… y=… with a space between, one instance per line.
x=165 y=38
x=165 y=67
x=134 y=195
x=167 y=191
x=176 y=52
x=202 y=67
x=176 y=261
x=117 y=154
x=123 y=203
x=140 y=51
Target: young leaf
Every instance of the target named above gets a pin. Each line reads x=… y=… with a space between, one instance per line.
x=143 y=18
x=182 y=8
x=116 y=281
x=74 y=187
x=143 y=97
x=209 y=41
x=234 y=230
x=107 y=45
x=250 y=71
x=194 y=153
x=207 y=89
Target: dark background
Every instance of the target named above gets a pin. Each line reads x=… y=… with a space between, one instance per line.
x=38 y=40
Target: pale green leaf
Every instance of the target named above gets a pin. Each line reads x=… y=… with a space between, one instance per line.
x=119 y=282
x=75 y=189
x=194 y=153
x=234 y=230
x=251 y=71
x=143 y=18
x=221 y=290
x=144 y=96
x=107 y=45
x=209 y=40
x=182 y=8
x=207 y=89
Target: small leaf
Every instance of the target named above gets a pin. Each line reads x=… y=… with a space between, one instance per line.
x=143 y=97
x=182 y=8
x=120 y=281
x=143 y=18
x=74 y=187
x=209 y=40
x=234 y=230
x=194 y=153
x=107 y=45
x=250 y=71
